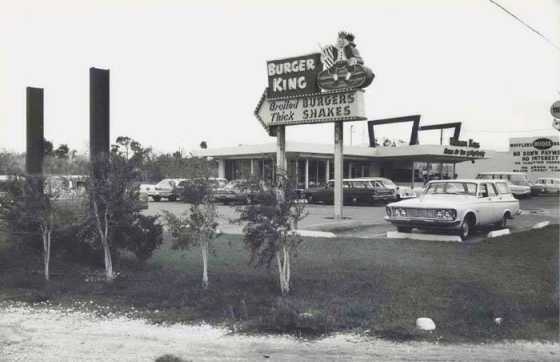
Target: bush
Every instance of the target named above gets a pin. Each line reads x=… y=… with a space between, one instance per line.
x=142 y=236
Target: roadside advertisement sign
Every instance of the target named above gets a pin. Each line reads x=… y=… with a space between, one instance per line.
x=293 y=76
x=536 y=155
x=316 y=108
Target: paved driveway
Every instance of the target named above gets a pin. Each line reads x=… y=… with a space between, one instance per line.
x=367 y=221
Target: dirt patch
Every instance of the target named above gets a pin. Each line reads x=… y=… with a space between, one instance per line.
x=52 y=334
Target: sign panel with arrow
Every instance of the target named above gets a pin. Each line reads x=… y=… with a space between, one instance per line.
x=343 y=105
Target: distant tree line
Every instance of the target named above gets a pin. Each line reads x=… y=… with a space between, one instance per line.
x=150 y=166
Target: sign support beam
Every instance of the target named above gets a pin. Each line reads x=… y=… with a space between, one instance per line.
x=338 y=164
x=281 y=165
x=35 y=136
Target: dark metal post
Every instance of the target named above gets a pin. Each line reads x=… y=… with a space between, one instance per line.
x=35 y=132
x=98 y=113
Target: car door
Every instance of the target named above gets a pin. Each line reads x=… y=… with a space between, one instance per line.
x=505 y=199
x=496 y=203
x=325 y=194
x=348 y=193
x=486 y=209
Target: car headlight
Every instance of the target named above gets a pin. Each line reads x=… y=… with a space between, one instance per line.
x=397 y=212
x=439 y=214
x=403 y=212
x=388 y=211
x=452 y=214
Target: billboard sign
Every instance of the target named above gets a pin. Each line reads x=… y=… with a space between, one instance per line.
x=293 y=76
x=538 y=156
x=315 y=108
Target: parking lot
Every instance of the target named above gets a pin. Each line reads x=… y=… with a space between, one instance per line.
x=368 y=221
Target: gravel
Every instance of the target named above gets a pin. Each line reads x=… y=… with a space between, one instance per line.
x=46 y=333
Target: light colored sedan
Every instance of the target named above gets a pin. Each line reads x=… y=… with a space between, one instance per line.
x=550 y=185
x=456 y=205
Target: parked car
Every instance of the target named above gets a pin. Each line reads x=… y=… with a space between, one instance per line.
x=147 y=189
x=356 y=191
x=166 y=189
x=456 y=205
x=234 y=192
x=517 y=181
x=550 y=185
x=214 y=183
x=401 y=192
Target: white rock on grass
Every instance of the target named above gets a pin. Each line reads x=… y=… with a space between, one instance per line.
x=425 y=324
x=541 y=224
x=496 y=233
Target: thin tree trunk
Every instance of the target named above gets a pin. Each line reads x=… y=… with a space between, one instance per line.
x=104 y=235
x=204 y=248
x=46 y=234
x=280 y=272
x=283 y=262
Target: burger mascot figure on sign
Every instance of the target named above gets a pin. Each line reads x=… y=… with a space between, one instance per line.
x=344 y=67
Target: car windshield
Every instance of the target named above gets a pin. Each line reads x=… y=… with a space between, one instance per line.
x=387 y=182
x=519 y=180
x=452 y=188
x=484 y=177
x=217 y=183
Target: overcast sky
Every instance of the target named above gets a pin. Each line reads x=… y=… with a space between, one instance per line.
x=187 y=71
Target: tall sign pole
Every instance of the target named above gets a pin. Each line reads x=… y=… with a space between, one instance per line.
x=98 y=113
x=281 y=163
x=35 y=134
x=338 y=169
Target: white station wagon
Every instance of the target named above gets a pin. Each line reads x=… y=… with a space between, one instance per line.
x=456 y=205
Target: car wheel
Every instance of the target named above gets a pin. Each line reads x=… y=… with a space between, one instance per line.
x=309 y=199
x=466 y=228
x=404 y=229
x=156 y=198
x=503 y=223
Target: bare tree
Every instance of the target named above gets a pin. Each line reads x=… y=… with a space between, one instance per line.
x=199 y=226
x=111 y=195
x=32 y=208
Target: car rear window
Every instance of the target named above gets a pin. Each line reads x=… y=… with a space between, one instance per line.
x=502 y=187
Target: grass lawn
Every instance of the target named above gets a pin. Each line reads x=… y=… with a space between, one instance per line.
x=377 y=287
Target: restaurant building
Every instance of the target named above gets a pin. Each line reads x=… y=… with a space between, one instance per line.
x=312 y=164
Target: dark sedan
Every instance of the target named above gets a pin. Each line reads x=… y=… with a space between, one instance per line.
x=235 y=192
x=355 y=192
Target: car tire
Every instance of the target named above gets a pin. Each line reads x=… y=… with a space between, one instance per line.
x=309 y=199
x=404 y=229
x=156 y=198
x=466 y=228
x=502 y=224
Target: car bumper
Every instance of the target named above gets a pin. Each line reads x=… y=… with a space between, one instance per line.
x=387 y=197
x=228 y=198
x=424 y=223
x=162 y=193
